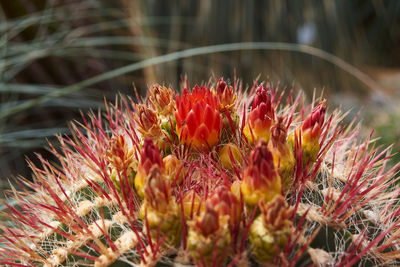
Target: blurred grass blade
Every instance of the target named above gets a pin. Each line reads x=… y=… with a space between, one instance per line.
x=365 y=79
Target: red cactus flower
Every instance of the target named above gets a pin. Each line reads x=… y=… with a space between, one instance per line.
x=198 y=121
x=261 y=181
x=260 y=118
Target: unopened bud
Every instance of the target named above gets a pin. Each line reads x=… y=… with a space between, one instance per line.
x=163 y=100
x=148 y=122
x=260 y=118
x=261 y=180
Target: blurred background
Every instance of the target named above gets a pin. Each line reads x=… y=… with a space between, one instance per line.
x=50 y=48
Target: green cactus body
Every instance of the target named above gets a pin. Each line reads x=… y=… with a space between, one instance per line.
x=117 y=182
x=310 y=151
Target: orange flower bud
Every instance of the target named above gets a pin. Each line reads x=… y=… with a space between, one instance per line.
x=198 y=121
x=260 y=118
x=225 y=203
x=284 y=160
x=156 y=191
x=269 y=232
x=122 y=161
x=229 y=155
x=208 y=237
x=276 y=214
x=226 y=96
x=160 y=209
x=192 y=202
x=261 y=181
x=174 y=169
x=227 y=102
x=148 y=122
x=163 y=100
x=119 y=154
x=278 y=133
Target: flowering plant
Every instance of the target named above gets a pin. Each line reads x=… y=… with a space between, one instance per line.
x=211 y=176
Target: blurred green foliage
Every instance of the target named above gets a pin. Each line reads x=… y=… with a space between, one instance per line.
x=388 y=132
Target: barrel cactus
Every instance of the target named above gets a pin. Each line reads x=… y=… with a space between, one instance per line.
x=209 y=176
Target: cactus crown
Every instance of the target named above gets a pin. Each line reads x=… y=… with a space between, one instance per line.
x=209 y=177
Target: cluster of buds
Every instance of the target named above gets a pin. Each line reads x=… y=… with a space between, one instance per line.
x=196 y=180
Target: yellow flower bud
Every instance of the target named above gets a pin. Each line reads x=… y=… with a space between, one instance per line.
x=192 y=204
x=174 y=169
x=229 y=156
